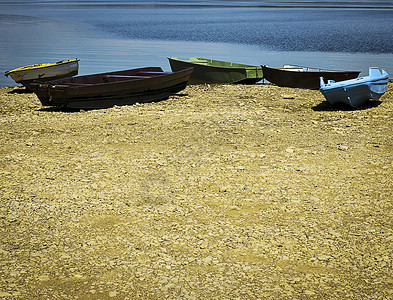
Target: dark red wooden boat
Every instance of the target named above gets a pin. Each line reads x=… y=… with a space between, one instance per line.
x=304 y=77
x=113 y=88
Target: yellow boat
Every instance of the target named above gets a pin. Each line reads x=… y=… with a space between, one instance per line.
x=44 y=71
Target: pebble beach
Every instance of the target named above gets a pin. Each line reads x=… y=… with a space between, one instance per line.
x=219 y=192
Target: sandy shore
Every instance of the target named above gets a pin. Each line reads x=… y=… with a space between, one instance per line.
x=221 y=192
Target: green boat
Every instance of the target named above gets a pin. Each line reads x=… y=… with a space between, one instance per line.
x=216 y=71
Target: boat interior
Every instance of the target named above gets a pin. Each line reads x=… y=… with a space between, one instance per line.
x=302 y=69
x=121 y=76
x=217 y=63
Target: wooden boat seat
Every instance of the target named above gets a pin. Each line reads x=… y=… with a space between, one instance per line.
x=125 y=76
x=198 y=61
x=74 y=84
x=154 y=73
x=105 y=80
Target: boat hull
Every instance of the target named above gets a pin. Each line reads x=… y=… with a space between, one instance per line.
x=304 y=77
x=214 y=71
x=356 y=92
x=44 y=72
x=113 y=88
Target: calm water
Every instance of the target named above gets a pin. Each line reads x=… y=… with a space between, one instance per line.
x=114 y=35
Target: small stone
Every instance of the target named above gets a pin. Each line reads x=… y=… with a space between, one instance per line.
x=309 y=293
x=207 y=260
x=204 y=245
x=43 y=278
x=113 y=294
x=289 y=150
x=323 y=257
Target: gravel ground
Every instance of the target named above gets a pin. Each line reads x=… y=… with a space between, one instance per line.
x=220 y=192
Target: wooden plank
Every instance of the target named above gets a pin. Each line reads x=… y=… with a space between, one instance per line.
x=154 y=73
x=75 y=84
x=125 y=76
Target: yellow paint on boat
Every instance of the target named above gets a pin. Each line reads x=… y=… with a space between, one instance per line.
x=42 y=65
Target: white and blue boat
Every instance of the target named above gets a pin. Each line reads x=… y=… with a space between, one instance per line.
x=355 y=92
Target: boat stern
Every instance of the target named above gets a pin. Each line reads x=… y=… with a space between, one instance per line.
x=49 y=95
x=378 y=84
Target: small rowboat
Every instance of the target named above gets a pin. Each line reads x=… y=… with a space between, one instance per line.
x=216 y=71
x=44 y=71
x=304 y=77
x=113 y=88
x=356 y=92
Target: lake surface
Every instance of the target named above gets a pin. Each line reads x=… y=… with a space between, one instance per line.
x=115 y=35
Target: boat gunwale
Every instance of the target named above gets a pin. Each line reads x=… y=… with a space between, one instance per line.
x=239 y=67
x=357 y=81
x=86 y=86
x=143 y=70
x=98 y=84
x=301 y=69
x=67 y=85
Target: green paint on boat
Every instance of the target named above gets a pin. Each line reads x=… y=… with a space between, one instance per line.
x=215 y=71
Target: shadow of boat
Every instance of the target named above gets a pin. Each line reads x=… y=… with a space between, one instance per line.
x=74 y=110
x=326 y=106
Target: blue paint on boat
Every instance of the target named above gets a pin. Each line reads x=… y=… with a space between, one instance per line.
x=355 y=92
